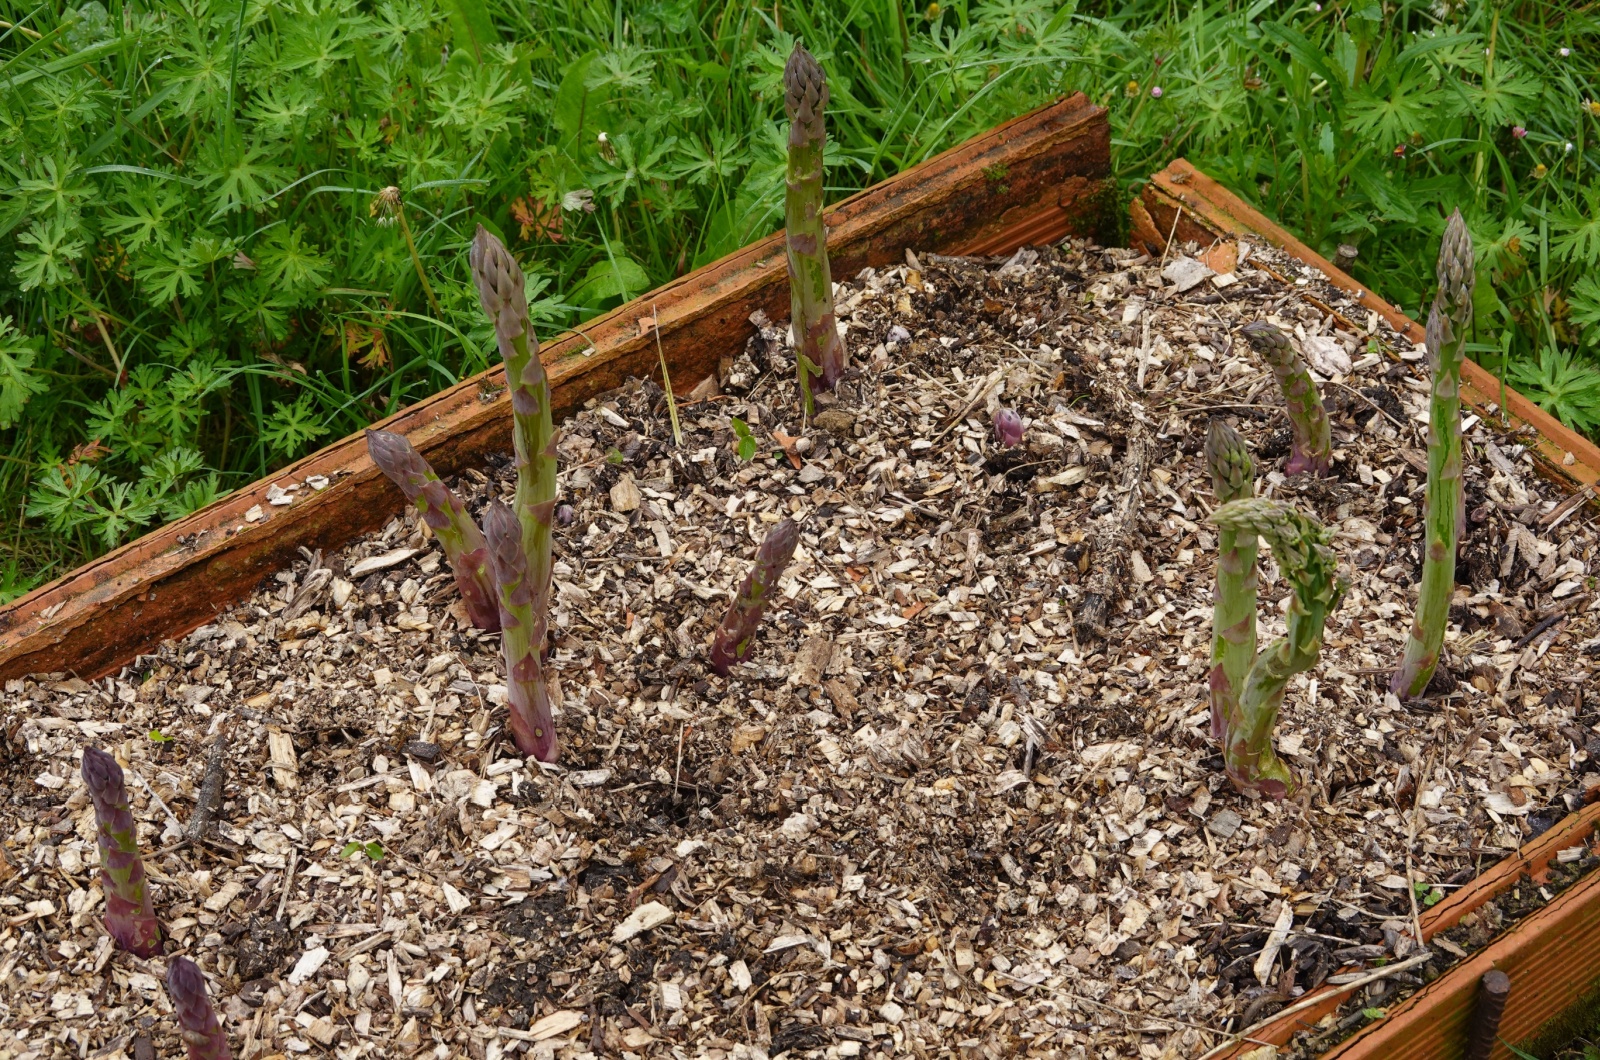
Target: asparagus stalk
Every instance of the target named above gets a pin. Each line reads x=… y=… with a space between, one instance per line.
x=1444 y=500
x=500 y=292
x=198 y=1024
x=1007 y=428
x=1300 y=545
x=443 y=511
x=738 y=629
x=522 y=632
x=818 y=347
x=1312 y=449
x=1233 y=618
x=129 y=916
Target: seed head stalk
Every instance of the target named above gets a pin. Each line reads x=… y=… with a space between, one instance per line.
x=818 y=348
x=738 y=628
x=129 y=916
x=1300 y=545
x=449 y=519
x=1233 y=617
x=1443 y=499
x=501 y=293
x=1312 y=448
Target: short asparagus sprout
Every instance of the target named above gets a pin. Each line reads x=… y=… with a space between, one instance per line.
x=1300 y=545
x=1312 y=448
x=738 y=629
x=1443 y=499
x=818 y=348
x=522 y=631
x=501 y=293
x=1007 y=428
x=129 y=916
x=198 y=1024
x=449 y=519
x=1233 y=621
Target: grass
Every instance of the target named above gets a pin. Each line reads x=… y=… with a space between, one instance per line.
x=231 y=231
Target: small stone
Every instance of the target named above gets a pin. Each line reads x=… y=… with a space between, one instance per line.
x=428 y=752
x=835 y=421
x=1224 y=823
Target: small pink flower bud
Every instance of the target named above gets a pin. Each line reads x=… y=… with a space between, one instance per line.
x=1155 y=93
x=1518 y=132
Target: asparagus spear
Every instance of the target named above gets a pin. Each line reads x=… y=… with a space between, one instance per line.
x=1300 y=545
x=500 y=292
x=1313 y=438
x=1444 y=500
x=522 y=632
x=198 y=1024
x=129 y=916
x=738 y=629
x=442 y=510
x=1007 y=428
x=818 y=347
x=1233 y=620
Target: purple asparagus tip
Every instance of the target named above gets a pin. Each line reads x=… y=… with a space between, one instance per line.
x=199 y=1026
x=130 y=919
x=738 y=629
x=1007 y=428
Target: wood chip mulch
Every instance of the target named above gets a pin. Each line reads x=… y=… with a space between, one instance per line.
x=931 y=816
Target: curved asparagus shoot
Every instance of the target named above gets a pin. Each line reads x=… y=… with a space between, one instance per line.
x=198 y=1024
x=500 y=292
x=1444 y=500
x=1233 y=617
x=1312 y=448
x=1300 y=545
x=818 y=347
x=129 y=916
x=449 y=519
x=738 y=627
x=522 y=633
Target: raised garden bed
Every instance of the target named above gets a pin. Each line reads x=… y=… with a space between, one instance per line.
x=929 y=817
x=1553 y=955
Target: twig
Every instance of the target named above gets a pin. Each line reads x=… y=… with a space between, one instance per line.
x=1557 y=515
x=1317 y=999
x=1232 y=1037
x=288 y=882
x=978 y=395
x=666 y=380
x=148 y=790
x=1110 y=546
x=1176 y=217
x=677 y=776
x=210 y=793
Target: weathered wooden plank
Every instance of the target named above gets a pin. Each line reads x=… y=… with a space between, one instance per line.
x=1035 y=179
